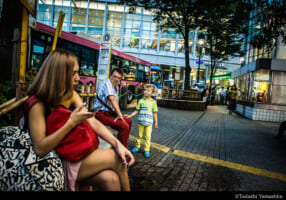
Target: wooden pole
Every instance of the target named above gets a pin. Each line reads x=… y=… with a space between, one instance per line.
x=59 y=29
x=23 y=53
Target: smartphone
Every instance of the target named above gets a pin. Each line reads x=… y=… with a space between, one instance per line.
x=92 y=110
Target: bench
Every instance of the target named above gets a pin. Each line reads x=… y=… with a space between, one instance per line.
x=103 y=144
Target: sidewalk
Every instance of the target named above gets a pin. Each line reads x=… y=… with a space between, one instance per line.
x=209 y=151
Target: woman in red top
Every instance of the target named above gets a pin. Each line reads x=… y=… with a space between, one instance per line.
x=54 y=86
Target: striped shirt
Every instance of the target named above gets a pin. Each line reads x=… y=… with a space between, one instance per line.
x=105 y=90
x=147 y=108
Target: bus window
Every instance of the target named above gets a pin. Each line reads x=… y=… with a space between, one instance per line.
x=129 y=70
x=156 y=77
x=115 y=62
x=37 y=56
x=87 y=69
x=142 y=74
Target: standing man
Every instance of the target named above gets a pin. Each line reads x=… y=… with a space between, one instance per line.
x=108 y=93
x=222 y=96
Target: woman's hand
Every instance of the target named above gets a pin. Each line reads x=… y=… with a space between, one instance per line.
x=125 y=155
x=79 y=115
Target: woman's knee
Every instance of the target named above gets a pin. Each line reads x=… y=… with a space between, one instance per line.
x=112 y=178
x=106 y=180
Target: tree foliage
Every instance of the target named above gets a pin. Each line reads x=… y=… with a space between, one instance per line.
x=226 y=25
x=222 y=20
x=271 y=24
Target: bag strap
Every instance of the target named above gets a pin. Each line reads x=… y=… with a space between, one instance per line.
x=32 y=100
x=107 y=106
x=30 y=103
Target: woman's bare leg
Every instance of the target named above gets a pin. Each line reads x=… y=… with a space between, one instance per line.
x=106 y=180
x=104 y=159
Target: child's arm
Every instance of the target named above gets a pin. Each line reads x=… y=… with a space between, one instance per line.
x=156 y=119
x=133 y=114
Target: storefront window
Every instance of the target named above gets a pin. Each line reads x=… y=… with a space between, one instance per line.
x=278 y=93
x=168 y=39
x=242 y=87
x=260 y=89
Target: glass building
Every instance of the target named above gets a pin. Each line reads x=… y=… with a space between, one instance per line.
x=133 y=31
x=262 y=76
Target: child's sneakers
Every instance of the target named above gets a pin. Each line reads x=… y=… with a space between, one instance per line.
x=147 y=154
x=135 y=150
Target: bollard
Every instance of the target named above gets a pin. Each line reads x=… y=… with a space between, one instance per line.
x=123 y=99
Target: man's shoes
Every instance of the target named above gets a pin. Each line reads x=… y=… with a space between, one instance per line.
x=147 y=154
x=135 y=150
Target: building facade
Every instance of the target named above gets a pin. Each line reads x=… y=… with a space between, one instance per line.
x=133 y=31
x=261 y=80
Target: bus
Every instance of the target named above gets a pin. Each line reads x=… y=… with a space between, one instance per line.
x=157 y=80
x=136 y=70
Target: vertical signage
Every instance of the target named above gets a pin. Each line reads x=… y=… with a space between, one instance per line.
x=103 y=63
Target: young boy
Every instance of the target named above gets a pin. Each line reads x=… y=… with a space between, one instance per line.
x=147 y=109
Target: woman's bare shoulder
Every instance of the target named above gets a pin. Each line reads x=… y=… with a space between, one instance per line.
x=37 y=110
x=75 y=101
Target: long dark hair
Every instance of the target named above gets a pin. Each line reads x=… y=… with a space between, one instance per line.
x=53 y=83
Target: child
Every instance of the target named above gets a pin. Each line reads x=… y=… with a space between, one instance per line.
x=147 y=109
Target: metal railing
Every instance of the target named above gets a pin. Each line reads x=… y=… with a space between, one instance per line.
x=192 y=95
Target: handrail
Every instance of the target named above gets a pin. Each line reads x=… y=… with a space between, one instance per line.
x=13 y=105
x=7 y=103
x=88 y=95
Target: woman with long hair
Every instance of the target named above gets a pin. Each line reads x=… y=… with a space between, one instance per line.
x=54 y=85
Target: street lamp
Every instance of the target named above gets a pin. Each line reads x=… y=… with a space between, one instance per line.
x=201 y=39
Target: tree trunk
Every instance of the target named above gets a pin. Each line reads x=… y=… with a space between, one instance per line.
x=187 y=61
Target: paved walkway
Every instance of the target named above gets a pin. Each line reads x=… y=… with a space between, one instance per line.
x=209 y=151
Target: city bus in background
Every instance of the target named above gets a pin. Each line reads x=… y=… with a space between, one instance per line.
x=157 y=80
x=136 y=71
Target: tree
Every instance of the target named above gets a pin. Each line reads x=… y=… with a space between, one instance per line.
x=223 y=21
x=177 y=14
x=272 y=23
x=225 y=24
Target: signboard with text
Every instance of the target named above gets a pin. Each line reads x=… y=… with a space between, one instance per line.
x=103 y=63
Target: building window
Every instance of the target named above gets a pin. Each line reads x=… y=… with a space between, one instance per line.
x=181 y=43
x=61 y=5
x=95 y=19
x=168 y=39
x=114 y=23
x=150 y=32
x=79 y=11
x=132 y=28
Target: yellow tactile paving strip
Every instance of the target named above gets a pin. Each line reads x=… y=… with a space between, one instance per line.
x=223 y=163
